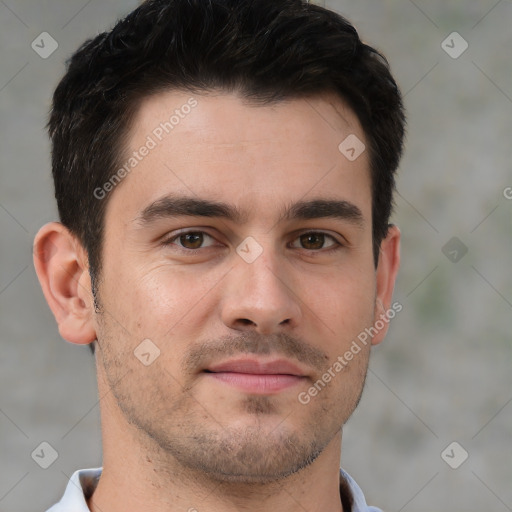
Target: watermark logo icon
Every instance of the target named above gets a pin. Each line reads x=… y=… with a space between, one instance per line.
x=45 y=455
x=44 y=45
x=146 y=352
x=352 y=147
x=249 y=250
x=454 y=45
x=454 y=455
x=454 y=249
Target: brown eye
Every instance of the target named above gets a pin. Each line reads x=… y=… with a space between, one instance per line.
x=312 y=240
x=315 y=241
x=191 y=240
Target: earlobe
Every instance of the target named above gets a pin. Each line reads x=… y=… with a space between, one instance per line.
x=387 y=270
x=61 y=266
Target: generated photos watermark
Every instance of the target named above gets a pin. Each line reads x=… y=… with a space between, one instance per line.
x=343 y=360
x=152 y=141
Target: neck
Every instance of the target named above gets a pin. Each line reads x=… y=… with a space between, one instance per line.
x=139 y=475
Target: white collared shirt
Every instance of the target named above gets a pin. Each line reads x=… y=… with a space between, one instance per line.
x=83 y=482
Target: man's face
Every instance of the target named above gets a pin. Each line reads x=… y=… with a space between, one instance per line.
x=249 y=312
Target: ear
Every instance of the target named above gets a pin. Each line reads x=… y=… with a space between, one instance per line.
x=61 y=265
x=387 y=270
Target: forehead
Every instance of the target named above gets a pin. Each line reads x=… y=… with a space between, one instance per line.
x=180 y=112
x=218 y=146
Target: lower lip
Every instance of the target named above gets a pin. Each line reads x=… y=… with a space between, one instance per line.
x=256 y=383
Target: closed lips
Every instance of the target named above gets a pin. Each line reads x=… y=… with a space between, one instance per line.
x=254 y=367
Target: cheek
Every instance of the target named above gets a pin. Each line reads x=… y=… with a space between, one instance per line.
x=347 y=298
x=162 y=301
x=345 y=309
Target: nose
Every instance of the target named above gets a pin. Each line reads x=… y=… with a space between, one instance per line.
x=259 y=296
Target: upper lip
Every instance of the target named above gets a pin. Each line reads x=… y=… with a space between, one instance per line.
x=257 y=367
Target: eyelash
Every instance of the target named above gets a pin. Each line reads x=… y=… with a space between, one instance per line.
x=336 y=247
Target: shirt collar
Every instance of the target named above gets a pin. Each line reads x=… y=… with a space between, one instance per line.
x=81 y=485
x=83 y=482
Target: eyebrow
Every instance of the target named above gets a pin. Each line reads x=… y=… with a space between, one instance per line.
x=172 y=206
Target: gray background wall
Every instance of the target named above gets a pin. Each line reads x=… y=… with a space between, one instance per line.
x=444 y=372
